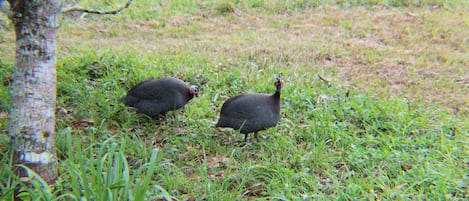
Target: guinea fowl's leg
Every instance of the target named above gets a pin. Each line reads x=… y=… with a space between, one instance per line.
x=256 y=135
x=246 y=137
x=161 y=116
x=157 y=117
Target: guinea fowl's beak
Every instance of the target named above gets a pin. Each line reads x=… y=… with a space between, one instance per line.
x=279 y=82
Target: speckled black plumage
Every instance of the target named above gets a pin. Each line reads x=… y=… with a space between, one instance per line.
x=157 y=96
x=252 y=112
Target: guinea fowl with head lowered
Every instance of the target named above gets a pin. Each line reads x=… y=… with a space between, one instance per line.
x=252 y=112
x=157 y=96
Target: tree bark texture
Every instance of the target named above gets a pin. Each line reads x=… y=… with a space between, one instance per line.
x=32 y=113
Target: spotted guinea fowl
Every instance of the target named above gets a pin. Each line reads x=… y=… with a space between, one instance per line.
x=157 y=96
x=252 y=112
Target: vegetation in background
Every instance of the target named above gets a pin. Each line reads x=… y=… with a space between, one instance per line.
x=390 y=121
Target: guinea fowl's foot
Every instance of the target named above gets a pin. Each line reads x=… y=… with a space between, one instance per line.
x=256 y=135
x=246 y=137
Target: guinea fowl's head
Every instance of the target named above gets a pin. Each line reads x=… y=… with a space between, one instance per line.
x=194 y=90
x=278 y=83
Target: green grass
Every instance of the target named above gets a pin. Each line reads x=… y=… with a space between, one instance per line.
x=390 y=125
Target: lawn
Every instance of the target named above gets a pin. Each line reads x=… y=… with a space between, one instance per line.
x=374 y=107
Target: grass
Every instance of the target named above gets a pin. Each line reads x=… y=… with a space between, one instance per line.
x=390 y=125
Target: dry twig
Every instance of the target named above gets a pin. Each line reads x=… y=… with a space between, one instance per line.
x=99 y=12
x=327 y=81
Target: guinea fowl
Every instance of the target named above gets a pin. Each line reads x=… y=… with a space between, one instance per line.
x=252 y=112
x=157 y=96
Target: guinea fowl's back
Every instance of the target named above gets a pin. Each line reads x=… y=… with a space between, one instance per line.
x=135 y=94
x=250 y=112
x=155 y=97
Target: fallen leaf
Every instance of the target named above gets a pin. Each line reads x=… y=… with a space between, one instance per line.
x=339 y=165
x=191 y=198
x=112 y=129
x=406 y=168
x=215 y=162
x=218 y=174
x=183 y=155
x=3 y=115
x=25 y=179
x=86 y=120
x=131 y=130
x=61 y=109
x=411 y=14
x=159 y=138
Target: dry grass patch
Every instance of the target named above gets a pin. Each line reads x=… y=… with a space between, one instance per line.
x=418 y=53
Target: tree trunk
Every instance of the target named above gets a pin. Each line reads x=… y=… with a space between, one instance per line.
x=32 y=114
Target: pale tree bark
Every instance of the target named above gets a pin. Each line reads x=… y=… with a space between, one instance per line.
x=33 y=90
x=31 y=123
